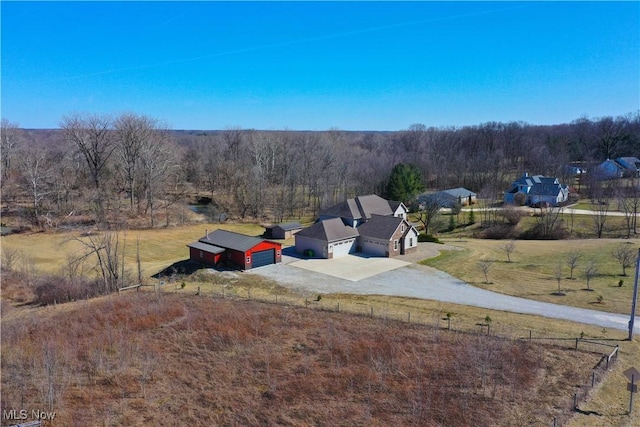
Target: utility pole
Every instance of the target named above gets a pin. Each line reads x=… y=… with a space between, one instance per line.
x=635 y=298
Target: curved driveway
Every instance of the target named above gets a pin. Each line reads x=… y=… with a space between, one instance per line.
x=418 y=281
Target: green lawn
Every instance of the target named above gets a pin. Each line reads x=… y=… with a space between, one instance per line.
x=531 y=274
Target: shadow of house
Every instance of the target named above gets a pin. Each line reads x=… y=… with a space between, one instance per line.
x=184 y=267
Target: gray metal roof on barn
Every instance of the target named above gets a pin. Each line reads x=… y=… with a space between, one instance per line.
x=206 y=247
x=380 y=227
x=231 y=240
x=330 y=230
x=287 y=226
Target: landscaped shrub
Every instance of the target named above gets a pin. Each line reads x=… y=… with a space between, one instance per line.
x=428 y=238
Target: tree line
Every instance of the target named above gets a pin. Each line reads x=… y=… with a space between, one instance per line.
x=110 y=170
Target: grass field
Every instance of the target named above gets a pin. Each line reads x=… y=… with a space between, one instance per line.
x=532 y=272
x=533 y=265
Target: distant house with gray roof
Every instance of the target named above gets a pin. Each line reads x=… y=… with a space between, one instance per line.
x=630 y=166
x=368 y=224
x=537 y=190
x=449 y=198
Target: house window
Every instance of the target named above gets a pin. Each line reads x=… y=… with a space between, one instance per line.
x=201 y=254
x=395 y=245
x=410 y=241
x=278 y=253
x=248 y=260
x=228 y=255
x=402 y=228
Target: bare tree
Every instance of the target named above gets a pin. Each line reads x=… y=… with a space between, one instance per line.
x=106 y=249
x=572 y=261
x=429 y=211
x=625 y=255
x=134 y=134
x=93 y=138
x=485 y=266
x=557 y=274
x=157 y=161
x=629 y=204
x=509 y=248
x=590 y=271
x=35 y=177
x=548 y=222
x=9 y=134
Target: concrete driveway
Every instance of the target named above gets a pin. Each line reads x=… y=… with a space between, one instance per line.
x=405 y=279
x=351 y=267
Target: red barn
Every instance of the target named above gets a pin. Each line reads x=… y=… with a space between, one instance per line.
x=244 y=251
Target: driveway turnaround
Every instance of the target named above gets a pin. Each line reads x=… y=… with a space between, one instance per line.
x=352 y=268
x=418 y=281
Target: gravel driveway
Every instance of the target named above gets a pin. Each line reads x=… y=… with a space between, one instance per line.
x=418 y=281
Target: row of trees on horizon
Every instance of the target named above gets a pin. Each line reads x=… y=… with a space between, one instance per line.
x=113 y=168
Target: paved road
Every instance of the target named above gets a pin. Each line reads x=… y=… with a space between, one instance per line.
x=420 y=281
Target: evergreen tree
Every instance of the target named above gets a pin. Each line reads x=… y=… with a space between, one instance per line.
x=405 y=183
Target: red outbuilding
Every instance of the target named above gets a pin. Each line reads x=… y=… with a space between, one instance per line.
x=246 y=252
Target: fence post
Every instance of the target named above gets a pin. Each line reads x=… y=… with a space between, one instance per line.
x=577 y=343
x=593 y=378
x=372 y=312
x=575 y=401
x=530 y=342
x=338 y=307
x=409 y=317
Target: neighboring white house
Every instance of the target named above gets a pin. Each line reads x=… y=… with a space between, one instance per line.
x=537 y=190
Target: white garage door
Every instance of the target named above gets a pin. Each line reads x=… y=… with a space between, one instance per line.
x=374 y=248
x=342 y=248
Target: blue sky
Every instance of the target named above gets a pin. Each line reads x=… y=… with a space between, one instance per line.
x=320 y=65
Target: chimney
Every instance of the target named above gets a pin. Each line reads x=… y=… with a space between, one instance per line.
x=206 y=234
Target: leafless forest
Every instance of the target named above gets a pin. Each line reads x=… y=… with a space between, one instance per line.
x=130 y=169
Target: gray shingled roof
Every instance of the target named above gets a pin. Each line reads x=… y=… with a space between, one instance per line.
x=359 y=207
x=373 y=205
x=206 y=247
x=330 y=230
x=380 y=227
x=231 y=240
x=346 y=209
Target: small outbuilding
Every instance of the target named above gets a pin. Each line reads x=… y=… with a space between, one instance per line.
x=246 y=252
x=282 y=231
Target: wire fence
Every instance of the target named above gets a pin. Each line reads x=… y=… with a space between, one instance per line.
x=606 y=349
